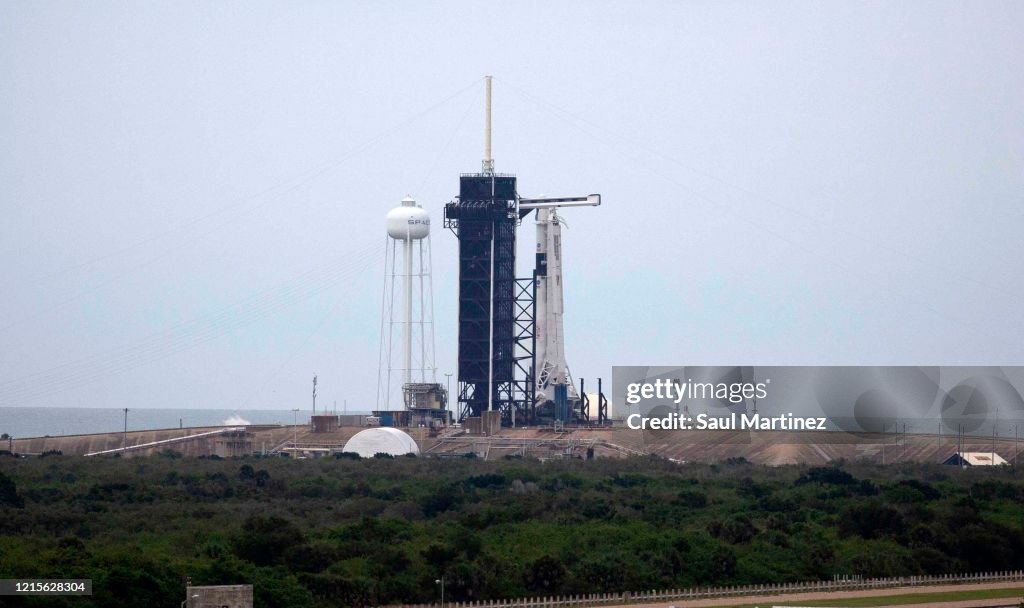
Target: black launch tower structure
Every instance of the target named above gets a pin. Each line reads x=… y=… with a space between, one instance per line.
x=496 y=310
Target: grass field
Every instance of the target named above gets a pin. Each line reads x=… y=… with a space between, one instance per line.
x=905 y=599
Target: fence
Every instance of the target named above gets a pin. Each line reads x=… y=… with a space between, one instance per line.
x=647 y=597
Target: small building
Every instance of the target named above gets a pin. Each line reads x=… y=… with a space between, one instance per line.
x=324 y=424
x=426 y=405
x=352 y=420
x=233 y=442
x=219 y=596
x=975 y=459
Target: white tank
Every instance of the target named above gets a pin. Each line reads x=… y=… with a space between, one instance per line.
x=410 y=221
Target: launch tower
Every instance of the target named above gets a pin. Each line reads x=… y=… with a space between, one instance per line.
x=499 y=322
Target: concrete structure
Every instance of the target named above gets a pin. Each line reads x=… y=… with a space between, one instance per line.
x=324 y=424
x=219 y=596
x=484 y=425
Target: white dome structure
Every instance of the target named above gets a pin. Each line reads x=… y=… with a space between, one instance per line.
x=383 y=439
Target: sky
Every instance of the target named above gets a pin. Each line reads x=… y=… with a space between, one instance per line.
x=193 y=193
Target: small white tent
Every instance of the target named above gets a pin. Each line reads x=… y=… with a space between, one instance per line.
x=382 y=439
x=976 y=459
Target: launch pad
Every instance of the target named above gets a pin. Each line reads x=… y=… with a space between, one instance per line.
x=511 y=345
x=511 y=351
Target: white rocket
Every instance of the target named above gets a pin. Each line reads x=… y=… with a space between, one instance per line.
x=550 y=329
x=552 y=368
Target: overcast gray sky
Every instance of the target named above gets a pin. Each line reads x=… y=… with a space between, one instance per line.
x=193 y=194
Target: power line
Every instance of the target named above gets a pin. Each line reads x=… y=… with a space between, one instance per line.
x=718 y=206
x=194 y=332
x=443 y=152
x=282 y=186
x=758 y=196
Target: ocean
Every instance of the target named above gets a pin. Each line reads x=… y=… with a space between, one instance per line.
x=22 y=422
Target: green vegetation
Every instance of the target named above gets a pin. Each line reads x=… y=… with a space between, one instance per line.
x=377 y=531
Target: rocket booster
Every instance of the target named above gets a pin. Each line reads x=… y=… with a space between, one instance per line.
x=551 y=366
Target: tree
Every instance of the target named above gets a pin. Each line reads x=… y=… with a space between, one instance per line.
x=246 y=472
x=827 y=476
x=9 y=493
x=736 y=530
x=872 y=520
x=264 y=540
x=276 y=588
x=545 y=575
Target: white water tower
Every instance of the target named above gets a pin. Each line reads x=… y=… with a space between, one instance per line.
x=407 y=292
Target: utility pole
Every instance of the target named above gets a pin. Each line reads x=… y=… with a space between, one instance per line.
x=448 y=377
x=960 y=444
x=295 y=429
x=896 y=433
x=314 y=394
x=440 y=581
x=885 y=441
x=124 y=437
x=993 y=454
